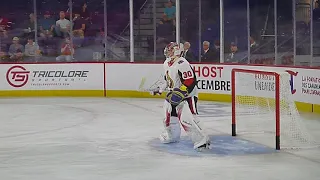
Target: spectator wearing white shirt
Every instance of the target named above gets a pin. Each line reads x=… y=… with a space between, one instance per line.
x=63 y=25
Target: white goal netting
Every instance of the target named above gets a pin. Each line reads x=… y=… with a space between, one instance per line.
x=255 y=111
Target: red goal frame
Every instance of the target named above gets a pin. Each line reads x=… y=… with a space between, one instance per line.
x=277 y=99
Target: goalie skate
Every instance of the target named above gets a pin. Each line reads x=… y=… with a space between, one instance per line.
x=203 y=146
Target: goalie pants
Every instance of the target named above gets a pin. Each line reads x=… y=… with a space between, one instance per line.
x=192 y=102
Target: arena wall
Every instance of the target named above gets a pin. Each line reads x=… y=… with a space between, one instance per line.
x=123 y=80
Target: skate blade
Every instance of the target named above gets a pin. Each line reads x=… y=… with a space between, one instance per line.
x=204 y=148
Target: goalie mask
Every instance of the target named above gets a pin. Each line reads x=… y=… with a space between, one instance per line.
x=172 y=50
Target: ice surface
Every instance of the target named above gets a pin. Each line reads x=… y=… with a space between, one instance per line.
x=109 y=139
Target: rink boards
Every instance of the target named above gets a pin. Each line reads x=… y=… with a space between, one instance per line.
x=124 y=79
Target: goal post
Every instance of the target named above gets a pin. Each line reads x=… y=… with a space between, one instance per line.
x=263 y=109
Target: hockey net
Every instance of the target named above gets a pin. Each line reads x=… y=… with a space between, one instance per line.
x=264 y=111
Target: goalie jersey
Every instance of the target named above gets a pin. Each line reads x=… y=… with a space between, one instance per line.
x=178 y=73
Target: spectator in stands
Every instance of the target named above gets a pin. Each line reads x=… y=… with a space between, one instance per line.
x=29 y=29
x=46 y=25
x=235 y=56
x=254 y=47
x=32 y=51
x=3 y=57
x=67 y=51
x=287 y=60
x=233 y=50
x=96 y=24
x=16 y=50
x=268 y=61
x=207 y=54
x=217 y=45
x=63 y=25
x=187 y=53
x=3 y=27
x=84 y=13
x=216 y=51
x=79 y=25
x=253 y=43
x=169 y=15
x=165 y=32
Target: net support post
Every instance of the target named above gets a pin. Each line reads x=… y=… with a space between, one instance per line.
x=233 y=94
x=277 y=142
x=233 y=126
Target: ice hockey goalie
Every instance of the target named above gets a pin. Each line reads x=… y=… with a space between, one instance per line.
x=180 y=105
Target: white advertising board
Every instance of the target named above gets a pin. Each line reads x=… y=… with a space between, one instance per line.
x=71 y=76
x=216 y=79
x=305 y=83
x=213 y=78
x=260 y=85
x=129 y=76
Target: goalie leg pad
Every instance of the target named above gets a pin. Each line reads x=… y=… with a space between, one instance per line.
x=192 y=102
x=172 y=132
x=171 y=123
x=192 y=126
x=168 y=111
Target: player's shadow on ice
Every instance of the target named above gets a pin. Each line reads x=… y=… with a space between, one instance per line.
x=220 y=146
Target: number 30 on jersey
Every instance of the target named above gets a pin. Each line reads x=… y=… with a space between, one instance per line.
x=187 y=74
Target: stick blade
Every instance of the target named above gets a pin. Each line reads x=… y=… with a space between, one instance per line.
x=142 y=83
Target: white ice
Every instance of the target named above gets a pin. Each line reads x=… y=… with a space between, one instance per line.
x=107 y=139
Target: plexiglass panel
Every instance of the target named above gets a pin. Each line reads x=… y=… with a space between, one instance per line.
x=270 y=32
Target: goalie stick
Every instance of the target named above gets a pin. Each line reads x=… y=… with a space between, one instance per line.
x=153 y=87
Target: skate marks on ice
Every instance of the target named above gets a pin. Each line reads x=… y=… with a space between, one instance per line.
x=17 y=123
x=220 y=146
x=209 y=109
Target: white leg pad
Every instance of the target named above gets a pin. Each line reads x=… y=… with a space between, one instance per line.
x=172 y=132
x=192 y=125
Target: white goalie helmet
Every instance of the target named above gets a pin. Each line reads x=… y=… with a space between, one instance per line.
x=173 y=49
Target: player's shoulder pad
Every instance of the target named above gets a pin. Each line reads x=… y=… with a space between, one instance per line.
x=182 y=62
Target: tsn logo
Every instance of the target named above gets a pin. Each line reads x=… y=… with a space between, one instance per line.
x=292 y=75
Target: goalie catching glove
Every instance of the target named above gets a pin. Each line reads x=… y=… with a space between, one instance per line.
x=177 y=95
